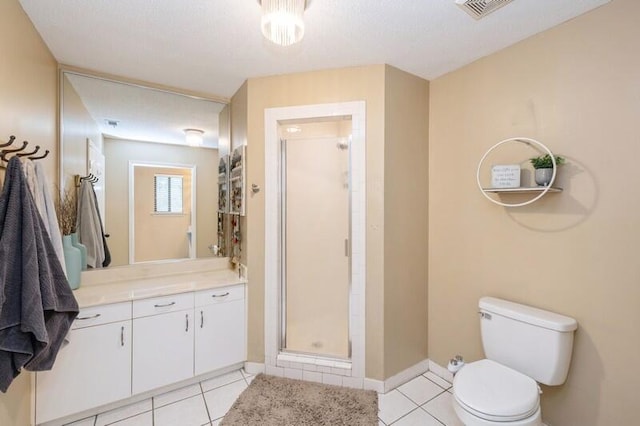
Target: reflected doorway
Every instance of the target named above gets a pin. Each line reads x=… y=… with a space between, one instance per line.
x=162 y=220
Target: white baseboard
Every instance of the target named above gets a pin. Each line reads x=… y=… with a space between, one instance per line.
x=374 y=385
x=254 y=367
x=406 y=375
x=384 y=386
x=440 y=371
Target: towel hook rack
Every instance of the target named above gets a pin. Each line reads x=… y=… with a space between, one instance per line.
x=11 y=139
x=28 y=154
x=4 y=153
x=39 y=157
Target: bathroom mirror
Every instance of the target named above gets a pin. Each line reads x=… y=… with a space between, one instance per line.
x=127 y=135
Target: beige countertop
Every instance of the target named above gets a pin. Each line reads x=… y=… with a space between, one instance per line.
x=153 y=286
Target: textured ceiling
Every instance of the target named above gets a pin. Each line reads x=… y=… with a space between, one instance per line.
x=212 y=46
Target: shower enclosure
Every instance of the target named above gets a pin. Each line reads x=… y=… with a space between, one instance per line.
x=315 y=246
x=315 y=242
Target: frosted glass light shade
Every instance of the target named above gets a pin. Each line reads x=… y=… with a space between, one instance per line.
x=282 y=21
x=193 y=137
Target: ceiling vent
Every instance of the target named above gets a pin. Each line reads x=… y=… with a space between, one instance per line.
x=480 y=8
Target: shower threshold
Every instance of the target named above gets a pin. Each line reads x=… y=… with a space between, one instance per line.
x=317 y=363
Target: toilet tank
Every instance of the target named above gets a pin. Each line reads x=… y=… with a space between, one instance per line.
x=532 y=341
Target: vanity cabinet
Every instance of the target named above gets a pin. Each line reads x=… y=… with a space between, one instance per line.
x=93 y=369
x=163 y=344
x=129 y=348
x=220 y=329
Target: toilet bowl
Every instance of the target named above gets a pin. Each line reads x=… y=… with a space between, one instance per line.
x=523 y=346
x=487 y=393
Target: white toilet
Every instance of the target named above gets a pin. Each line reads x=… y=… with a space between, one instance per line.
x=523 y=346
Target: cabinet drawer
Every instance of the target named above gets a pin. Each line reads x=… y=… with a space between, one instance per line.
x=219 y=295
x=163 y=304
x=103 y=314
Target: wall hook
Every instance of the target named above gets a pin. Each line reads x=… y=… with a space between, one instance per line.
x=255 y=188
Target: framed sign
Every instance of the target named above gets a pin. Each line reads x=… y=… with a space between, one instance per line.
x=505 y=176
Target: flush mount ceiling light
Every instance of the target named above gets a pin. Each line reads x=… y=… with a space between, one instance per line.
x=193 y=137
x=282 y=21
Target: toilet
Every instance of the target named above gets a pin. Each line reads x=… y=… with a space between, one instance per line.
x=523 y=346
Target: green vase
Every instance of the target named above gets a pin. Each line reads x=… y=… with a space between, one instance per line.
x=72 y=261
x=83 y=250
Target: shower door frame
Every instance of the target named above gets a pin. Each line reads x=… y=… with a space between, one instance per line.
x=273 y=226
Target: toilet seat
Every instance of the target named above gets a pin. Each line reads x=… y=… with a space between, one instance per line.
x=496 y=393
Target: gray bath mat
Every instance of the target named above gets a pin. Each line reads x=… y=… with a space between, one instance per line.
x=272 y=401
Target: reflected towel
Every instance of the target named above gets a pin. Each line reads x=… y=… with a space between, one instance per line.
x=88 y=225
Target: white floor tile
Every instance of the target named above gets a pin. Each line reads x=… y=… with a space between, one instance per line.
x=176 y=395
x=188 y=412
x=417 y=417
x=420 y=390
x=216 y=422
x=441 y=408
x=437 y=380
x=249 y=379
x=393 y=405
x=216 y=382
x=144 y=419
x=221 y=399
x=123 y=412
x=90 y=421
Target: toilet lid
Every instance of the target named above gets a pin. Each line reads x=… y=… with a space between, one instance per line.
x=494 y=392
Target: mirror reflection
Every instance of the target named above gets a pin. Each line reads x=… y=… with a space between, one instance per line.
x=137 y=141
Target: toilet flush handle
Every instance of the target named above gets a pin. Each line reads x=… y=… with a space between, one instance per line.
x=484 y=315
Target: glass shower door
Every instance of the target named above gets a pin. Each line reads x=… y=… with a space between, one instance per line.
x=315 y=246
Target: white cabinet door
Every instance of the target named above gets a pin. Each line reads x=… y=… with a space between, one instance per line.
x=92 y=370
x=162 y=350
x=220 y=338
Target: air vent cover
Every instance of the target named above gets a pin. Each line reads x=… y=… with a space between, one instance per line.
x=481 y=8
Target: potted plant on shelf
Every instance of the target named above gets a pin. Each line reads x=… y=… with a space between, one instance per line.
x=543 y=166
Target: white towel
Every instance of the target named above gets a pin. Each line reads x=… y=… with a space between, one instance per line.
x=29 y=170
x=48 y=213
x=88 y=225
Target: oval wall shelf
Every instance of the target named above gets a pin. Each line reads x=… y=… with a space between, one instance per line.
x=541 y=191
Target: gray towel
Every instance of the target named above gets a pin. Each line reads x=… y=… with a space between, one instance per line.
x=48 y=214
x=89 y=226
x=37 y=306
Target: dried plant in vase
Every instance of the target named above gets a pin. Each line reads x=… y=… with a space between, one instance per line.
x=66 y=211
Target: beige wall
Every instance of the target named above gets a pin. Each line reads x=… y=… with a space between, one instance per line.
x=577 y=89
x=27 y=110
x=405 y=220
x=160 y=236
x=118 y=154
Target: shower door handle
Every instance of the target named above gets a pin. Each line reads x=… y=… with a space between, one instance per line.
x=346 y=247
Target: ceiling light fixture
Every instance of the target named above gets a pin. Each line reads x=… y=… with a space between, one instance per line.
x=194 y=137
x=282 y=21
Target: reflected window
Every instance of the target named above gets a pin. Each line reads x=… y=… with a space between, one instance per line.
x=167 y=191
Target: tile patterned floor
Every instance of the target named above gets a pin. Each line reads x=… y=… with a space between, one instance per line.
x=424 y=401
